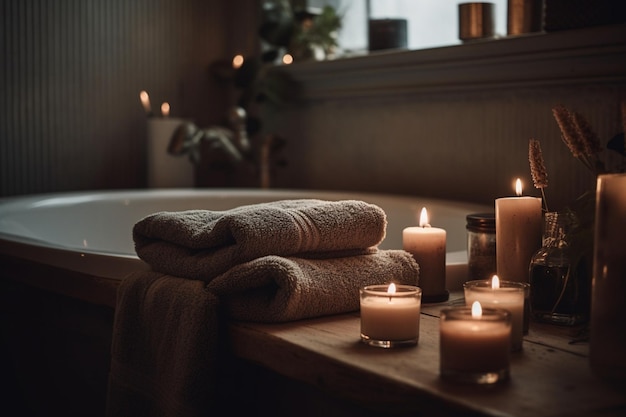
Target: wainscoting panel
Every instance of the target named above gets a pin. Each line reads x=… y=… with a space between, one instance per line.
x=70 y=77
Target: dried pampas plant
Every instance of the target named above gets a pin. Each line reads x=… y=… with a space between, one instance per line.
x=580 y=138
x=569 y=134
x=537 y=168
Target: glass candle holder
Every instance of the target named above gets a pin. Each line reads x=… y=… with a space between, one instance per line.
x=474 y=348
x=390 y=315
x=481 y=245
x=506 y=295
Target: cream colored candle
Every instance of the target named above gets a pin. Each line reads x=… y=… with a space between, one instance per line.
x=506 y=295
x=518 y=234
x=607 y=343
x=428 y=246
x=474 y=344
x=165 y=170
x=390 y=315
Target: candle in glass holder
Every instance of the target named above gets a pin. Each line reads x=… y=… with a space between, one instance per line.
x=518 y=234
x=506 y=295
x=474 y=344
x=390 y=315
x=428 y=246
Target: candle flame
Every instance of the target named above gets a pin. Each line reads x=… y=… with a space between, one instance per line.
x=424 y=218
x=518 y=187
x=477 y=310
x=237 y=61
x=145 y=100
x=287 y=59
x=165 y=109
x=391 y=289
x=495 y=282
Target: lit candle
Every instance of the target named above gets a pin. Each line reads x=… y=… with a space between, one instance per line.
x=518 y=234
x=287 y=59
x=428 y=246
x=474 y=344
x=165 y=109
x=145 y=102
x=506 y=295
x=390 y=315
x=238 y=61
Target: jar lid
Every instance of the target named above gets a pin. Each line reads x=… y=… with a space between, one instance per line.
x=481 y=222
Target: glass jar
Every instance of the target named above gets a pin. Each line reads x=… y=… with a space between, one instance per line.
x=559 y=286
x=481 y=246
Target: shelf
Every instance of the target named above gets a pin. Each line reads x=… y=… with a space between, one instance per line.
x=550 y=377
x=593 y=55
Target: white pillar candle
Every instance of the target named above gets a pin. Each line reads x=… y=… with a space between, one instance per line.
x=428 y=246
x=506 y=295
x=474 y=344
x=607 y=343
x=165 y=170
x=518 y=234
x=390 y=315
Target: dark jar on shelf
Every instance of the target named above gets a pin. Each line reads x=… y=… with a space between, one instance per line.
x=481 y=245
x=560 y=290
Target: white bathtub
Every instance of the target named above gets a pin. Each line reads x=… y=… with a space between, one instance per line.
x=89 y=233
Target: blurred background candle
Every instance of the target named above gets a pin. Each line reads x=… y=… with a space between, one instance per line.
x=607 y=345
x=518 y=234
x=474 y=344
x=166 y=170
x=506 y=295
x=390 y=315
x=428 y=246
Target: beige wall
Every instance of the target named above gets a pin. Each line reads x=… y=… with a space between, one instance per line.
x=467 y=146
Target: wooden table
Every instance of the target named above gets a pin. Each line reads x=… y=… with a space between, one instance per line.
x=550 y=377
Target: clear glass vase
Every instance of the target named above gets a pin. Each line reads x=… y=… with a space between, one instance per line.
x=560 y=290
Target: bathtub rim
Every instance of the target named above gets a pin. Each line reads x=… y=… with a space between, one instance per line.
x=87 y=261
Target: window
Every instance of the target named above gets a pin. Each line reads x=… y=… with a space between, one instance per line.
x=430 y=23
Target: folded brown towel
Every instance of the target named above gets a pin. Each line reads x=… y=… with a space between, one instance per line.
x=277 y=289
x=164 y=346
x=203 y=244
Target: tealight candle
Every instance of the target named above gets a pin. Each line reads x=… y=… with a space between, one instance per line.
x=506 y=295
x=474 y=344
x=428 y=246
x=518 y=234
x=390 y=315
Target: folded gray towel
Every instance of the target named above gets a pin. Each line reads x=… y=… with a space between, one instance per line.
x=202 y=244
x=277 y=289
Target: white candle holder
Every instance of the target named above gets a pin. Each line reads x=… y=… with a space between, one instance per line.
x=510 y=296
x=474 y=350
x=390 y=319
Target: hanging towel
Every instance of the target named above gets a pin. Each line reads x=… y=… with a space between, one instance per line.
x=163 y=351
x=202 y=244
x=277 y=289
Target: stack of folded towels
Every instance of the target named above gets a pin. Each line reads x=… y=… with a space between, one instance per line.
x=270 y=262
